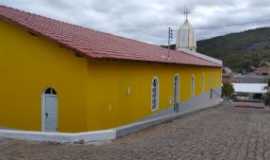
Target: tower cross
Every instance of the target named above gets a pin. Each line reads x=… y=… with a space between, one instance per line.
x=186 y=12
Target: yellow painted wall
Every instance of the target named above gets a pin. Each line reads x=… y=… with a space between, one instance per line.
x=29 y=64
x=93 y=94
x=109 y=103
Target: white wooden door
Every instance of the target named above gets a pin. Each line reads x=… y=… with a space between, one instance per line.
x=50 y=113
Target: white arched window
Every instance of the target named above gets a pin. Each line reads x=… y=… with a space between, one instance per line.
x=50 y=91
x=193 y=85
x=155 y=94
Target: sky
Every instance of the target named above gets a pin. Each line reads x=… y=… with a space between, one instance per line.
x=148 y=20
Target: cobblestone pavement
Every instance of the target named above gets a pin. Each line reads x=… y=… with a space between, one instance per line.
x=222 y=133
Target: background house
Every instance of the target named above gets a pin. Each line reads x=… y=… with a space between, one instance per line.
x=249 y=91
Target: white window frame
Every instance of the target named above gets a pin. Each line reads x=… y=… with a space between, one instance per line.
x=155 y=108
x=193 y=85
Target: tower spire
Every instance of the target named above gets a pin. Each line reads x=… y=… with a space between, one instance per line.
x=186 y=12
x=186 y=38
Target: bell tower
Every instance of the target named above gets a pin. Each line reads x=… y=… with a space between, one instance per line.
x=186 y=38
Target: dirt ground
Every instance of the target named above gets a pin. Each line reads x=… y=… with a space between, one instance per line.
x=225 y=133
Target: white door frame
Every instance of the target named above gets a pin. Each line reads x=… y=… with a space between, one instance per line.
x=177 y=88
x=43 y=112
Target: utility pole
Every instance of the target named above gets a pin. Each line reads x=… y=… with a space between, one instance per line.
x=170 y=37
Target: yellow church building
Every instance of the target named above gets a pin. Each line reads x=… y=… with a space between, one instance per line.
x=59 y=77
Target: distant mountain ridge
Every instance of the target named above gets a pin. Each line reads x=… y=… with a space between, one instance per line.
x=239 y=51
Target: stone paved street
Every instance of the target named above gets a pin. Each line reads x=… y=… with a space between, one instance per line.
x=222 y=133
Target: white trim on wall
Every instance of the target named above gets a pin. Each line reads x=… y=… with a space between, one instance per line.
x=98 y=137
x=42 y=112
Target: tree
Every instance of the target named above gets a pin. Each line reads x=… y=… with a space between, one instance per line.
x=267 y=95
x=268 y=85
x=267 y=99
x=227 y=90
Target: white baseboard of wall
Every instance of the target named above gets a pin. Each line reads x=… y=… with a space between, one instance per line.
x=96 y=136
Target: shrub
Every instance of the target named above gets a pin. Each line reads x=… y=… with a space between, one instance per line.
x=227 y=90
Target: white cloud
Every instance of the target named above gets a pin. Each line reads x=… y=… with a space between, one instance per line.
x=149 y=20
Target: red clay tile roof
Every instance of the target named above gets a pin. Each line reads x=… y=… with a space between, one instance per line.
x=96 y=44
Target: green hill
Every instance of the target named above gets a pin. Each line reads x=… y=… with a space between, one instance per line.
x=239 y=51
